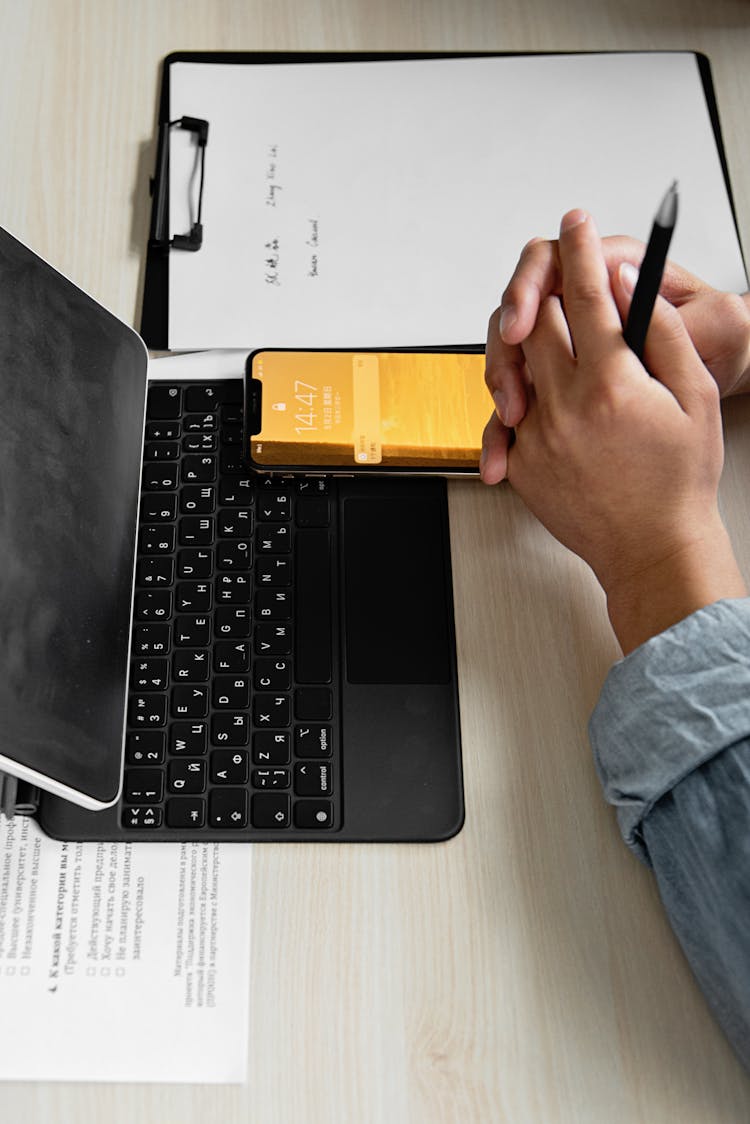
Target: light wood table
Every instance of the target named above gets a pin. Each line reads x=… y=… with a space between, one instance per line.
x=524 y=972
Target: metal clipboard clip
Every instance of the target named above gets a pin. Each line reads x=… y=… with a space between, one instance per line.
x=159 y=234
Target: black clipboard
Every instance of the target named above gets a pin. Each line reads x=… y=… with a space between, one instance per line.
x=155 y=308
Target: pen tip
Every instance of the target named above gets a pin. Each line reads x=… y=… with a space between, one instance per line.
x=667 y=214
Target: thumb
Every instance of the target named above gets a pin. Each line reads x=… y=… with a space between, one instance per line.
x=669 y=354
x=493 y=466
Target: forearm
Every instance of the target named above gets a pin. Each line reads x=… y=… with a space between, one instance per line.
x=657 y=597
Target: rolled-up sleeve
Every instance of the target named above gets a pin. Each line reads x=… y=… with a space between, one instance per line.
x=671 y=742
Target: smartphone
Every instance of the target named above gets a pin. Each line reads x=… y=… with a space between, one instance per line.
x=404 y=411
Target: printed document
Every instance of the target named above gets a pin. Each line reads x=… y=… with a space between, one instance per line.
x=122 y=961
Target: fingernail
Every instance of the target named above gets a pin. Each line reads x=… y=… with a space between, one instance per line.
x=628 y=277
x=501 y=404
x=507 y=319
x=571 y=220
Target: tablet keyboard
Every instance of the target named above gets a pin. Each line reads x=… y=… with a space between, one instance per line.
x=232 y=704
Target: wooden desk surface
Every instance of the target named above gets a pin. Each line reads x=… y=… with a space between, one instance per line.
x=524 y=971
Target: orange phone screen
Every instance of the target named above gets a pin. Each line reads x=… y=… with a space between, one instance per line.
x=345 y=408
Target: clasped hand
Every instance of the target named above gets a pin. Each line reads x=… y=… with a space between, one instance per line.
x=619 y=459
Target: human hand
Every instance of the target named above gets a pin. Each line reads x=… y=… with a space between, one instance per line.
x=621 y=467
x=718 y=324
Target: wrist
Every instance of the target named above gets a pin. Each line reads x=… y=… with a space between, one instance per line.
x=666 y=591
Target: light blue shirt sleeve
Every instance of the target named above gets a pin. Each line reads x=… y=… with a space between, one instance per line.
x=671 y=742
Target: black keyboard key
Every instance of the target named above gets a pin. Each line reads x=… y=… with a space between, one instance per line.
x=313 y=704
x=154 y=572
x=235 y=523
x=186 y=811
x=231 y=656
x=227 y=807
x=150 y=639
x=191 y=665
x=270 y=810
x=143 y=786
x=275 y=507
x=186 y=777
x=149 y=675
x=233 y=556
x=203 y=398
x=200 y=423
x=273 y=538
x=271 y=711
x=229 y=766
x=188 y=738
x=200 y=443
x=273 y=573
x=232 y=462
x=192 y=632
x=231 y=434
x=237 y=493
x=147 y=710
x=312 y=485
x=233 y=589
x=196 y=530
x=313 y=778
x=195 y=563
x=193 y=597
x=231 y=691
x=231 y=410
x=312 y=512
x=313 y=814
x=145 y=748
x=230 y=729
x=162 y=431
x=272 y=675
x=189 y=701
x=198 y=470
x=161 y=451
x=158 y=508
x=273 y=639
x=269 y=483
x=313 y=643
x=164 y=402
x=271 y=778
x=232 y=624
x=273 y=604
x=158 y=539
x=313 y=740
x=197 y=499
x=159 y=477
x=137 y=816
x=271 y=747
x=155 y=605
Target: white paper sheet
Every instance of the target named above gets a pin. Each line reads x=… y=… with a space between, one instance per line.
x=122 y=962
x=385 y=203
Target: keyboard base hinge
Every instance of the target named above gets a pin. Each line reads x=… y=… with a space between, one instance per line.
x=17 y=798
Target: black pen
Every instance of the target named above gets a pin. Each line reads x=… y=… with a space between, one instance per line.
x=651 y=272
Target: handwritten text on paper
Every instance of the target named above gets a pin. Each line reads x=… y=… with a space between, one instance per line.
x=272 y=270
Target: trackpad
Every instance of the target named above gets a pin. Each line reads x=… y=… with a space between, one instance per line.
x=397 y=597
